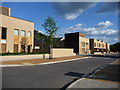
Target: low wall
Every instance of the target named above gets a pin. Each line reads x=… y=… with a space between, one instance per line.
x=62 y=52
x=97 y=52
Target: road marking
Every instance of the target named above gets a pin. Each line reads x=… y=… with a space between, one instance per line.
x=46 y=62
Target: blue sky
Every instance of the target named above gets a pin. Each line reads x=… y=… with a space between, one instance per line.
x=95 y=19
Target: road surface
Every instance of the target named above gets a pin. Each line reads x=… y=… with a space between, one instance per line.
x=56 y=75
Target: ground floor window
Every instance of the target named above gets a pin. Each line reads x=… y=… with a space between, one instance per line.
x=83 y=50
x=3 y=47
x=15 y=48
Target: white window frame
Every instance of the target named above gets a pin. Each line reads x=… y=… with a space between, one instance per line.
x=17 y=31
x=22 y=34
x=29 y=34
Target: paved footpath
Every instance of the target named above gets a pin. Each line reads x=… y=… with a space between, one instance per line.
x=24 y=62
x=22 y=57
x=106 y=77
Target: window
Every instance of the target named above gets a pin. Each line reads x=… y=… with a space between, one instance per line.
x=22 y=33
x=99 y=45
x=95 y=44
x=86 y=43
x=4 y=33
x=83 y=44
x=83 y=50
x=16 y=32
x=29 y=34
x=103 y=45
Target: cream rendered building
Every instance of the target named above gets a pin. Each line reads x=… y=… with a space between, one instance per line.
x=84 y=45
x=78 y=42
x=15 y=33
x=99 y=46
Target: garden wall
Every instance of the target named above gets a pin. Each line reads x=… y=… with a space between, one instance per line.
x=62 y=52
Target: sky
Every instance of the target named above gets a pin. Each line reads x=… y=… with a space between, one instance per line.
x=95 y=19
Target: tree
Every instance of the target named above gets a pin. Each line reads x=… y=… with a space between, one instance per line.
x=51 y=28
x=115 y=47
x=24 y=44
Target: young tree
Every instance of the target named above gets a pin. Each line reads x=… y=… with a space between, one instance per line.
x=24 y=44
x=51 y=28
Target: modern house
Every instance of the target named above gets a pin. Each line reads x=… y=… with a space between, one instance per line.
x=83 y=45
x=78 y=42
x=99 y=46
x=16 y=34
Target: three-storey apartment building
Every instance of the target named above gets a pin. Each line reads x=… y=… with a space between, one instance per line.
x=15 y=34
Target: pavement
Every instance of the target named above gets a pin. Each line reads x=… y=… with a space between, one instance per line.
x=105 y=77
x=39 y=61
x=57 y=75
x=22 y=57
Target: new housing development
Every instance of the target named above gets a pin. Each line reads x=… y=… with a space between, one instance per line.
x=15 y=33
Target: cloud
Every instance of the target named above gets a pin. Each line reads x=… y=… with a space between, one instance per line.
x=71 y=10
x=103 y=25
x=104 y=34
x=108 y=7
x=40 y=31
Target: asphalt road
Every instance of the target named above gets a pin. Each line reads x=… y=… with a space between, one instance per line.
x=50 y=76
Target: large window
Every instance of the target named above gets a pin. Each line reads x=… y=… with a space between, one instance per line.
x=4 y=33
x=29 y=34
x=16 y=32
x=22 y=33
x=83 y=50
x=83 y=44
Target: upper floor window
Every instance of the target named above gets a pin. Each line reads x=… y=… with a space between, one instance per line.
x=22 y=33
x=16 y=32
x=29 y=34
x=83 y=44
x=86 y=43
x=4 y=33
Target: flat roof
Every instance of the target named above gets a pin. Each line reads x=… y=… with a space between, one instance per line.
x=18 y=18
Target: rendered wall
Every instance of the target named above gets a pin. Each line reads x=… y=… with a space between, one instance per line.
x=62 y=52
x=12 y=23
x=85 y=40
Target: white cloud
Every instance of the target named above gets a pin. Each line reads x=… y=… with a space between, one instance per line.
x=71 y=10
x=71 y=16
x=104 y=34
x=40 y=31
x=103 y=25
